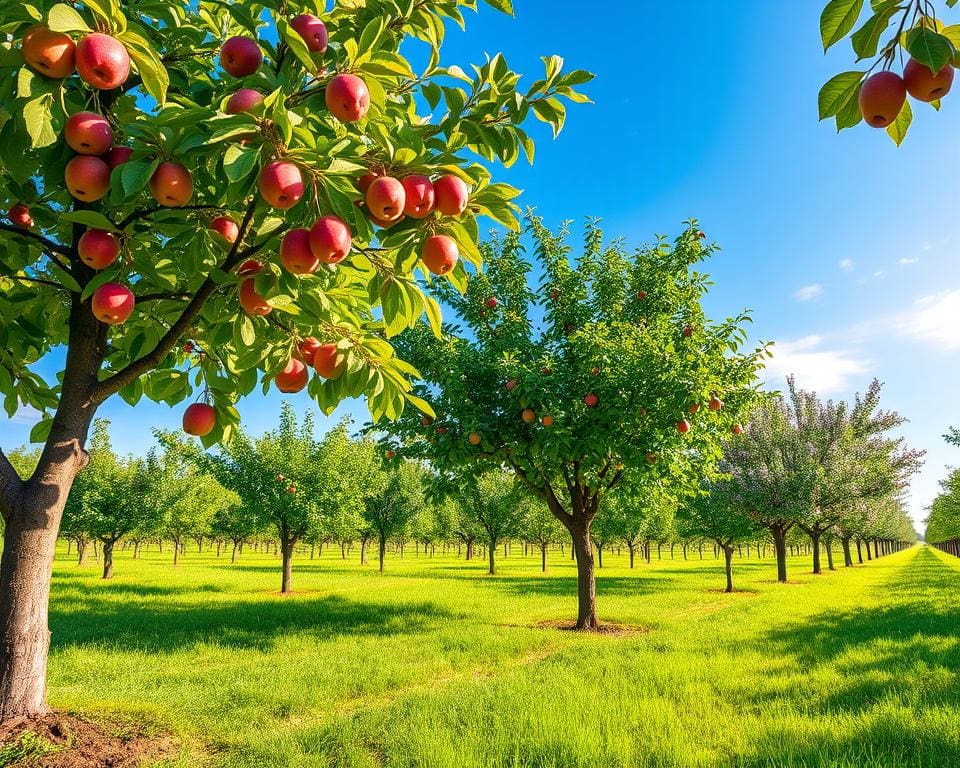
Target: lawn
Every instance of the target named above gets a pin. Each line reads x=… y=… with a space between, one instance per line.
x=438 y=664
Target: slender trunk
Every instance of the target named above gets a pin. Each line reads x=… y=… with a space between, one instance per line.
x=815 y=540
x=586 y=583
x=176 y=551
x=859 y=553
x=286 y=547
x=829 y=548
x=543 y=558
x=780 y=549
x=81 y=552
x=363 y=551
x=728 y=561
x=630 y=548
x=108 y=559
x=867 y=547
x=492 y=552
x=599 y=555
x=383 y=550
x=847 y=557
x=876 y=549
x=233 y=554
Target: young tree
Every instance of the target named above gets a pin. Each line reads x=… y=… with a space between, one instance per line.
x=636 y=515
x=494 y=500
x=395 y=495
x=155 y=292
x=624 y=371
x=237 y=522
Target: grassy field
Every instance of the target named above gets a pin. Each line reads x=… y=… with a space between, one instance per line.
x=438 y=664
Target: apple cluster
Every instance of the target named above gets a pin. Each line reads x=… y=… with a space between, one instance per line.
x=883 y=94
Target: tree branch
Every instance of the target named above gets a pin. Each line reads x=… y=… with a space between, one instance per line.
x=24 y=278
x=10 y=486
x=159 y=296
x=47 y=243
x=142 y=213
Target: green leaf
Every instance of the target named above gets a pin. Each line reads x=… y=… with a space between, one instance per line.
x=866 y=40
x=38 y=117
x=151 y=69
x=89 y=218
x=837 y=20
x=296 y=45
x=837 y=92
x=63 y=18
x=41 y=430
x=135 y=175
x=897 y=130
x=501 y=5
x=929 y=48
x=239 y=161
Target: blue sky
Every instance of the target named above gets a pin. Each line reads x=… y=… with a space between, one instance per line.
x=843 y=246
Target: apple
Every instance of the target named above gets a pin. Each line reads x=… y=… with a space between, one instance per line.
x=642 y=413
x=651 y=458
x=98 y=248
x=595 y=370
x=88 y=133
x=440 y=254
x=881 y=98
x=492 y=302
x=87 y=178
x=390 y=455
x=102 y=61
x=293 y=377
x=474 y=438
x=171 y=185
x=295 y=253
x=737 y=429
x=330 y=361
x=244 y=100
x=683 y=426
x=715 y=403
x=251 y=301
x=528 y=415
x=547 y=421
x=364 y=182
x=419 y=196
x=441 y=430
x=347 y=98
x=112 y=303
x=554 y=294
x=249 y=267
x=199 y=419
x=383 y=223
x=240 y=56
x=281 y=184
x=19 y=216
x=116 y=156
x=688 y=331
x=50 y=53
x=292 y=489
x=510 y=385
x=546 y=371
x=188 y=347
x=590 y=400
x=451 y=195
x=426 y=420
x=694 y=408
x=923 y=84
x=386 y=198
x=312 y=30
x=641 y=295
x=307 y=348
x=225 y=227
x=330 y=239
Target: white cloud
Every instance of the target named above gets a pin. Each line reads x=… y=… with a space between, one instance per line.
x=846 y=265
x=905 y=261
x=879 y=274
x=934 y=319
x=808 y=292
x=824 y=370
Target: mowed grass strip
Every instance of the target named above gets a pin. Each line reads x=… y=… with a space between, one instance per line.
x=437 y=664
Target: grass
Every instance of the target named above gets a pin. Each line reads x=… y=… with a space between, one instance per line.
x=437 y=664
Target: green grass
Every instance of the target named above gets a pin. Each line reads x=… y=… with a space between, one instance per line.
x=438 y=664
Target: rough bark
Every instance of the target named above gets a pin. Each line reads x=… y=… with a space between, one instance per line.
x=728 y=562
x=492 y=556
x=286 y=547
x=543 y=558
x=586 y=582
x=847 y=557
x=383 y=550
x=779 y=534
x=108 y=558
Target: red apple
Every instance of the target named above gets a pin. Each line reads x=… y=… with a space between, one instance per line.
x=364 y=182
x=383 y=223
x=281 y=184
x=737 y=429
x=293 y=377
x=440 y=254
x=171 y=185
x=249 y=267
x=715 y=403
x=98 y=248
x=554 y=294
x=307 y=348
x=451 y=194
x=492 y=302
x=112 y=303
x=474 y=438
x=688 y=331
x=441 y=430
x=87 y=178
x=390 y=455
x=296 y=254
x=244 y=100
x=330 y=361
x=923 y=84
x=881 y=98
x=50 y=53
x=19 y=216
x=199 y=419
x=694 y=407
x=330 y=239
x=546 y=371
x=590 y=400
x=683 y=426
x=347 y=98
x=528 y=415
x=240 y=56
x=386 y=198
x=188 y=347
x=251 y=301
x=547 y=421
x=419 y=196
x=292 y=489
x=641 y=295
x=225 y=227
x=312 y=30
x=510 y=385
x=102 y=61
x=117 y=156
x=426 y=420
x=88 y=133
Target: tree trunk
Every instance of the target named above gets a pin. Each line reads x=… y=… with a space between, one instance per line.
x=829 y=547
x=728 y=561
x=287 y=545
x=815 y=540
x=630 y=548
x=176 y=551
x=847 y=557
x=492 y=553
x=780 y=548
x=586 y=584
x=383 y=550
x=233 y=554
x=81 y=552
x=363 y=551
x=599 y=555
x=543 y=558
x=859 y=553
x=108 y=559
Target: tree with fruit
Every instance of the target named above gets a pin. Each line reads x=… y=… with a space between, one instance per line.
x=623 y=374
x=913 y=53
x=203 y=197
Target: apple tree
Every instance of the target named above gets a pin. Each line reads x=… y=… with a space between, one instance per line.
x=573 y=371
x=205 y=197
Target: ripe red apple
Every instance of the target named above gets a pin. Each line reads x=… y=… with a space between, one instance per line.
x=364 y=182
x=249 y=267
x=293 y=377
x=881 y=98
x=419 y=196
x=98 y=248
x=251 y=301
x=102 y=61
x=547 y=421
x=474 y=438
x=694 y=407
x=188 y=347
x=296 y=254
x=390 y=455
x=117 y=156
x=87 y=178
x=330 y=239
x=312 y=30
x=171 y=185
x=386 y=198
x=683 y=426
x=244 y=100
x=307 y=348
x=88 y=133
x=225 y=227
x=292 y=489
x=112 y=303
x=440 y=254
x=330 y=361
x=528 y=415
x=590 y=400
x=651 y=458
x=737 y=429
x=923 y=84
x=715 y=403
x=510 y=385
x=451 y=195
x=641 y=295
x=199 y=419
x=554 y=294
x=50 y=53
x=19 y=216
x=347 y=98
x=492 y=302
x=240 y=56
x=688 y=331
x=281 y=184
